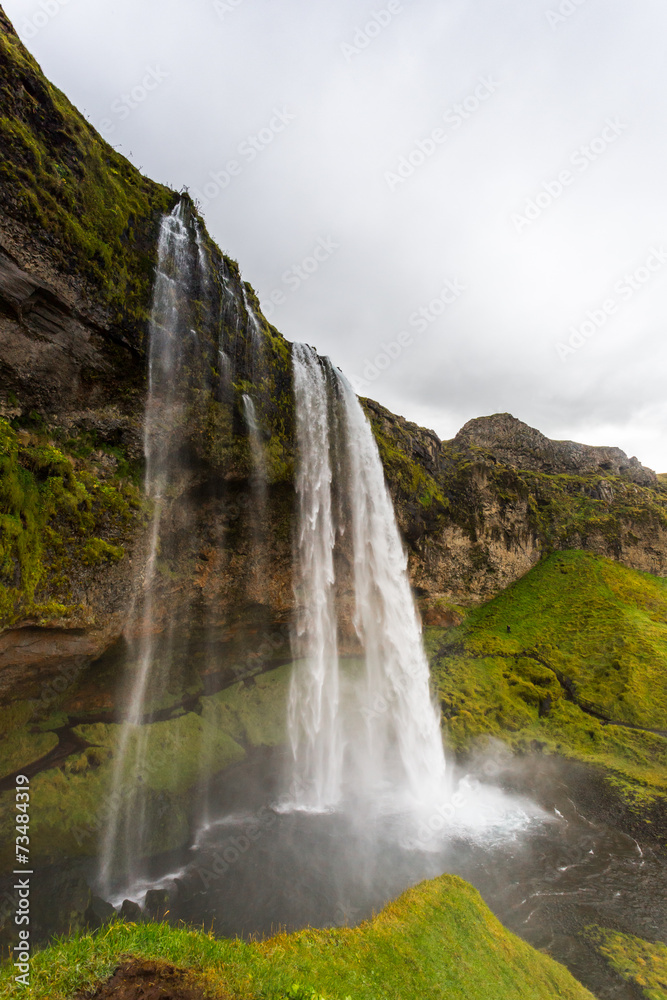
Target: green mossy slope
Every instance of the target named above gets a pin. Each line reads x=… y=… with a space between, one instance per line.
x=59 y=524
x=72 y=191
x=587 y=643
x=643 y=963
x=437 y=941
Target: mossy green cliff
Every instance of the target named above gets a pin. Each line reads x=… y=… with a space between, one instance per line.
x=642 y=963
x=78 y=235
x=569 y=660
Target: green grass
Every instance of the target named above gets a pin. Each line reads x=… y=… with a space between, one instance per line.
x=640 y=962
x=254 y=715
x=438 y=941
x=599 y=627
x=72 y=798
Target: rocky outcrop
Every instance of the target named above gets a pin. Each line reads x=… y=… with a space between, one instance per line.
x=53 y=358
x=513 y=443
x=480 y=510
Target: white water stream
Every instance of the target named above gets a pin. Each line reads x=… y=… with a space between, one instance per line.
x=364 y=730
x=123 y=840
x=314 y=718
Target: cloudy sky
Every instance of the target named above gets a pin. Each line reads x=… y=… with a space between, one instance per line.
x=462 y=202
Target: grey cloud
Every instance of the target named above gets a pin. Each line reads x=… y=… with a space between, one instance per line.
x=355 y=117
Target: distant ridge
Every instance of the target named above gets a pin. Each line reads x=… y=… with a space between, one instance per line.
x=516 y=444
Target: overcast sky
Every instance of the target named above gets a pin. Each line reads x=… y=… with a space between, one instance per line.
x=470 y=192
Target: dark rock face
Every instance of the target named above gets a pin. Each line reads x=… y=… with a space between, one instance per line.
x=476 y=513
x=513 y=443
x=53 y=358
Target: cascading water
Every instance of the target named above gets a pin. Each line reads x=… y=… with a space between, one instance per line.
x=256 y=448
x=371 y=732
x=253 y=336
x=369 y=796
x=258 y=507
x=124 y=838
x=314 y=698
x=399 y=713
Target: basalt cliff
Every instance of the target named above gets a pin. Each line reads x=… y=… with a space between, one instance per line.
x=78 y=234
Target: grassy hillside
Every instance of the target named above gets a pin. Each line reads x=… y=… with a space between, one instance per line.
x=586 y=647
x=437 y=940
x=643 y=963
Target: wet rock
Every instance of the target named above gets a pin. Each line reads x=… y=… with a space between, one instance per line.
x=544 y=706
x=156 y=904
x=130 y=911
x=61 y=905
x=99 y=912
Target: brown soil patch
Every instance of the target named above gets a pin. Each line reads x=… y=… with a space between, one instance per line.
x=140 y=979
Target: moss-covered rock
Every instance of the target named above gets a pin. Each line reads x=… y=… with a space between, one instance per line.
x=642 y=963
x=254 y=711
x=58 y=524
x=20 y=743
x=179 y=754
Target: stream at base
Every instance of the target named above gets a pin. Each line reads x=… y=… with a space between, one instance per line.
x=546 y=871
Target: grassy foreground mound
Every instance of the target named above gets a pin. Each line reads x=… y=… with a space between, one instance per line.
x=437 y=940
x=570 y=659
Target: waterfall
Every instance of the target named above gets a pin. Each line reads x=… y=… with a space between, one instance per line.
x=365 y=730
x=314 y=696
x=399 y=713
x=258 y=508
x=256 y=446
x=202 y=256
x=253 y=327
x=124 y=836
